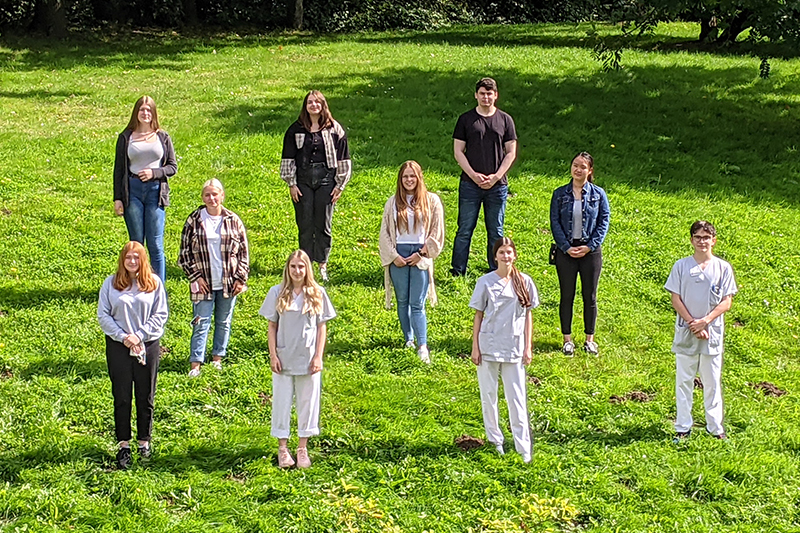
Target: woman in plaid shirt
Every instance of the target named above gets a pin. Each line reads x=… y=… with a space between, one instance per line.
x=214 y=256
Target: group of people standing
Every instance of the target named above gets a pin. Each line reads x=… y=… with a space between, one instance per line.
x=316 y=166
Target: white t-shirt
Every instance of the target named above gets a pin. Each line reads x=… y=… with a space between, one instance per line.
x=502 y=334
x=297 y=332
x=700 y=291
x=415 y=231
x=144 y=154
x=212 y=225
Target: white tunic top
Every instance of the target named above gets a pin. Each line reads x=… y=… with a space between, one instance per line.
x=502 y=334
x=212 y=225
x=700 y=291
x=297 y=332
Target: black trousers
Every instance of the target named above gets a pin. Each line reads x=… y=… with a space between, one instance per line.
x=568 y=269
x=128 y=379
x=313 y=212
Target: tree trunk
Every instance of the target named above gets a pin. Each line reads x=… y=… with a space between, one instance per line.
x=297 y=19
x=739 y=23
x=51 y=18
x=708 y=28
x=190 y=12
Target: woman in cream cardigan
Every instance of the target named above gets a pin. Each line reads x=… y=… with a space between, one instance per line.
x=412 y=235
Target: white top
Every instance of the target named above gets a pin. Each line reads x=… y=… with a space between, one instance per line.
x=297 y=332
x=121 y=313
x=415 y=233
x=700 y=291
x=212 y=225
x=502 y=334
x=144 y=154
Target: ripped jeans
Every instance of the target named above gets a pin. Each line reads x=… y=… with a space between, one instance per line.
x=222 y=309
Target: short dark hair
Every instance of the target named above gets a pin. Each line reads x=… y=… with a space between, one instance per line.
x=487 y=83
x=703 y=225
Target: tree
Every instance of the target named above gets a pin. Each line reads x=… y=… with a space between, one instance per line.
x=297 y=14
x=50 y=18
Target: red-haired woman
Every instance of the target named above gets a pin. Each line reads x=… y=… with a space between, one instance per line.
x=315 y=163
x=145 y=158
x=132 y=311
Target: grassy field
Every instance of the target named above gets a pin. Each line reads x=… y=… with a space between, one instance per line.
x=677 y=135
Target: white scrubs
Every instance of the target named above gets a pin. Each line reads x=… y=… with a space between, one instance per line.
x=502 y=342
x=700 y=290
x=296 y=345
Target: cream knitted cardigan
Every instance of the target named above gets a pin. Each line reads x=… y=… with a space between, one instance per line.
x=434 y=239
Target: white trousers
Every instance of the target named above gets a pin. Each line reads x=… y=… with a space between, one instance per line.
x=306 y=389
x=514 y=384
x=686 y=368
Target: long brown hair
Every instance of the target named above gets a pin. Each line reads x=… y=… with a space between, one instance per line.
x=312 y=292
x=520 y=288
x=134 y=122
x=144 y=277
x=325 y=117
x=419 y=199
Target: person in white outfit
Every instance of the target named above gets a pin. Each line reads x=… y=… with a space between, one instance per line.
x=501 y=344
x=702 y=288
x=298 y=311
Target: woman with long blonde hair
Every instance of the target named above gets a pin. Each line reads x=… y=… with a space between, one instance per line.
x=132 y=311
x=298 y=311
x=412 y=236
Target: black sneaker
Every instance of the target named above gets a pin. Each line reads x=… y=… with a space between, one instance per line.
x=145 y=452
x=679 y=436
x=124 y=458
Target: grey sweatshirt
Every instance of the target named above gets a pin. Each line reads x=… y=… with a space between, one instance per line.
x=121 y=313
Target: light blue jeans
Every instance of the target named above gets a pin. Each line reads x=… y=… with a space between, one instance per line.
x=410 y=288
x=145 y=219
x=222 y=308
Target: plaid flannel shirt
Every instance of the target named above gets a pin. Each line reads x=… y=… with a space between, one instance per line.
x=337 y=153
x=195 y=260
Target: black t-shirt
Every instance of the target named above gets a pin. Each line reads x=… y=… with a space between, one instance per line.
x=485 y=138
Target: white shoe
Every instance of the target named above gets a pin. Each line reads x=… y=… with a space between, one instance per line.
x=499 y=449
x=424 y=355
x=217 y=364
x=526 y=458
x=195 y=372
x=323 y=273
x=410 y=344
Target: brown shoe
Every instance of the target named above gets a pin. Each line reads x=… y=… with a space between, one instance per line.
x=303 y=461
x=284 y=458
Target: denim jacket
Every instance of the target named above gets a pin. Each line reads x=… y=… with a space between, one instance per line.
x=596 y=216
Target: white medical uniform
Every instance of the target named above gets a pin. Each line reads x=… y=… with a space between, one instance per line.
x=700 y=290
x=296 y=345
x=501 y=341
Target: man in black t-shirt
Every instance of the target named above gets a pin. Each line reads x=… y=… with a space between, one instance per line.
x=485 y=146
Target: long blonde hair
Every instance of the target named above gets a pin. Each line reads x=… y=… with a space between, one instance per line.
x=419 y=200
x=312 y=292
x=144 y=277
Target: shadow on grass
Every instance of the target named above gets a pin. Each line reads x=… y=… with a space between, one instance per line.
x=653 y=432
x=23 y=298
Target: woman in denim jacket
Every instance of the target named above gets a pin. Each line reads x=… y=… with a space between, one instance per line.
x=579 y=217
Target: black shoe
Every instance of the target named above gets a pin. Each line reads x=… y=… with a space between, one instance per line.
x=145 y=452
x=124 y=458
x=679 y=436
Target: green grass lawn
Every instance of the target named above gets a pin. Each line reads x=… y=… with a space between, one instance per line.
x=677 y=135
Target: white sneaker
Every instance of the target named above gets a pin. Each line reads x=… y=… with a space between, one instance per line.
x=526 y=458
x=217 y=364
x=410 y=344
x=195 y=372
x=424 y=355
x=499 y=449
x=323 y=273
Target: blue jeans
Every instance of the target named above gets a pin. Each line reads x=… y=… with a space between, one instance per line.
x=470 y=198
x=223 y=314
x=144 y=219
x=410 y=288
